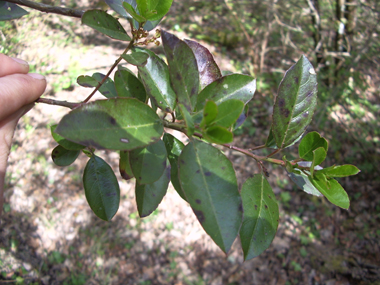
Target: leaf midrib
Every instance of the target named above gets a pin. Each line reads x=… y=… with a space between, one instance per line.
x=208 y=194
x=294 y=107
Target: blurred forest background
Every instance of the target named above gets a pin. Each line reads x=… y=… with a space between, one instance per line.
x=48 y=234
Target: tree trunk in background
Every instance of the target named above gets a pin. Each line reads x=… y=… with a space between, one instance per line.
x=317 y=36
x=350 y=15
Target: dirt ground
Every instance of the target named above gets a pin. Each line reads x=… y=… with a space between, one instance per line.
x=49 y=235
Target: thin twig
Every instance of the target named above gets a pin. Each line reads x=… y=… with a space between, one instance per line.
x=49 y=9
x=182 y=128
x=70 y=105
x=273 y=153
x=109 y=72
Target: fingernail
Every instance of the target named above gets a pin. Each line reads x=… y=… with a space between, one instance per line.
x=23 y=62
x=37 y=76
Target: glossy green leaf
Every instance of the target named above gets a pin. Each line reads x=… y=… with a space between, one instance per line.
x=340 y=170
x=64 y=157
x=124 y=166
x=101 y=188
x=188 y=120
x=174 y=148
x=210 y=112
x=303 y=182
x=228 y=112
x=319 y=155
x=335 y=193
x=309 y=143
x=117 y=6
x=270 y=140
x=155 y=77
x=242 y=117
x=131 y=10
x=218 y=134
x=148 y=163
x=207 y=68
x=117 y=123
x=64 y=142
x=105 y=23
x=10 y=11
x=154 y=9
x=150 y=25
x=108 y=88
x=183 y=70
x=209 y=182
x=295 y=103
x=87 y=81
x=261 y=216
x=128 y=85
x=149 y=196
x=323 y=179
x=234 y=86
x=136 y=58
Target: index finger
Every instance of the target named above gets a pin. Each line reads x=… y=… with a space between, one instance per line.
x=9 y=65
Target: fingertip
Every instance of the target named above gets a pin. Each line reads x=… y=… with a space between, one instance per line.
x=20 y=61
x=12 y=65
x=37 y=76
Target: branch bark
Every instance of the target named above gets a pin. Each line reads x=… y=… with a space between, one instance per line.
x=70 y=105
x=49 y=9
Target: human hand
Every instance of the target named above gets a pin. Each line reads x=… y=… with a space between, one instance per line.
x=18 y=91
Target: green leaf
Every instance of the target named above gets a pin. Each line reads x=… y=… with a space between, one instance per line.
x=108 y=87
x=228 y=112
x=105 y=23
x=87 y=81
x=117 y=6
x=155 y=77
x=10 y=11
x=271 y=143
x=319 y=155
x=150 y=25
x=340 y=170
x=154 y=9
x=64 y=157
x=64 y=142
x=234 y=86
x=242 y=117
x=183 y=70
x=207 y=68
x=124 y=166
x=218 y=134
x=174 y=148
x=148 y=164
x=149 y=196
x=128 y=85
x=261 y=216
x=303 y=182
x=188 y=120
x=136 y=58
x=295 y=103
x=210 y=112
x=335 y=193
x=209 y=182
x=101 y=188
x=288 y=166
x=309 y=143
x=116 y=123
x=131 y=10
